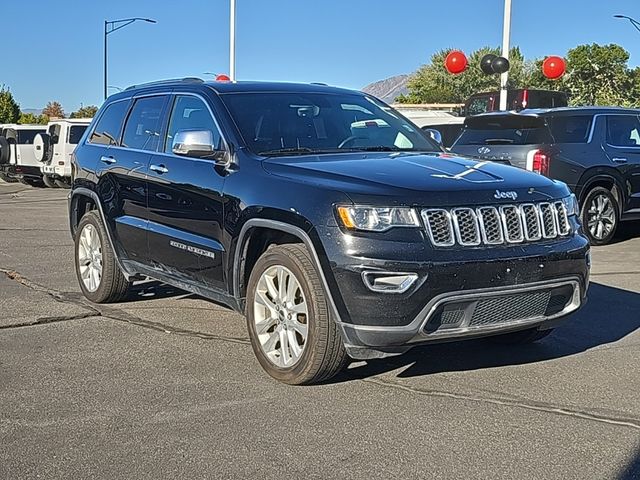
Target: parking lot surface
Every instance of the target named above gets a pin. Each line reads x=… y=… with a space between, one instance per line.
x=165 y=385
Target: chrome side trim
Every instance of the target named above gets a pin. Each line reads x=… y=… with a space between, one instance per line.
x=409 y=281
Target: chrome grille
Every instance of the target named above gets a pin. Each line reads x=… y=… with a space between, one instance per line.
x=491 y=225
x=465 y=224
x=439 y=226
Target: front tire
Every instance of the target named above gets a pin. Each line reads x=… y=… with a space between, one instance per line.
x=99 y=275
x=600 y=216
x=48 y=181
x=291 y=330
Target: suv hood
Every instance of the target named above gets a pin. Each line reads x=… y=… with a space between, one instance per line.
x=414 y=179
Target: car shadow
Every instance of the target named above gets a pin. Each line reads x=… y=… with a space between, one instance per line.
x=152 y=290
x=610 y=315
x=626 y=231
x=632 y=471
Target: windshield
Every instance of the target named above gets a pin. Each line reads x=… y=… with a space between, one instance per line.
x=294 y=123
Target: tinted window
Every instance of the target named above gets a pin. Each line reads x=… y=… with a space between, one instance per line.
x=108 y=127
x=623 y=130
x=75 y=133
x=321 y=123
x=570 y=129
x=190 y=113
x=482 y=104
x=506 y=136
x=25 y=137
x=142 y=130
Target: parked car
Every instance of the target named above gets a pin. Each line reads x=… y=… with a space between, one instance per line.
x=594 y=150
x=445 y=123
x=337 y=227
x=17 y=159
x=54 y=148
x=518 y=99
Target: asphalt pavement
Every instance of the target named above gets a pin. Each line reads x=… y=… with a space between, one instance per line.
x=165 y=385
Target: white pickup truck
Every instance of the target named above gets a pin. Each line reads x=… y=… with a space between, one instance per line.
x=53 y=149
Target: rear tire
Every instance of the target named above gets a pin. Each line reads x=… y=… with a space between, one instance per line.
x=600 y=216
x=521 y=338
x=5 y=177
x=104 y=282
x=49 y=182
x=287 y=307
x=61 y=183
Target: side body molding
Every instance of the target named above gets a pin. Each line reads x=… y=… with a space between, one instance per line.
x=290 y=229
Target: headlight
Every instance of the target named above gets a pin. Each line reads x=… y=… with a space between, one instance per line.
x=377 y=219
x=571 y=204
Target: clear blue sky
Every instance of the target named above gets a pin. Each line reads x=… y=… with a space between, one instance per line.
x=53 y=50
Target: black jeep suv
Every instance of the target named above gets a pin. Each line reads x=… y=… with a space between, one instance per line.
x=331 y=221
x=594 y=150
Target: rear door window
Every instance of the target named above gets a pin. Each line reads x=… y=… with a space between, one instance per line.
x=75 y=133
x=570 y=128
x=26 y=137
x=623 y=130
x=107 y=131
x=142 y=130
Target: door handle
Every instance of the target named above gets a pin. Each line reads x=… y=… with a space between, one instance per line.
x=107 y=160
x=159 y=169
x=619 y=160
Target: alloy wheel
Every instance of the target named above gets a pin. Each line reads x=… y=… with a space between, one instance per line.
x=601 y=217
x=90 y=257
x=281 y=316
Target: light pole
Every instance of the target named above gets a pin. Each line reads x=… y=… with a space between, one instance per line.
x=633 y=21
x=111 y=26
x=232 y=40
x=506 y=36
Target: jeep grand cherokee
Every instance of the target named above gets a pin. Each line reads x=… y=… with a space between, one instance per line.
x=333 y=223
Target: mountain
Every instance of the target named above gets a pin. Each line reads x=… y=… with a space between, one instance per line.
x=35 y=111
x=388 y=89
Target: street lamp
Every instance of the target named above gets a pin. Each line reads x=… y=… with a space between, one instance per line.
x=111 y=26
x=633 y=21
x=232 y=40
x=506 y=37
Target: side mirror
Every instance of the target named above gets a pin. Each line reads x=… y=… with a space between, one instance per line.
x=435 y=135
x=197 y=144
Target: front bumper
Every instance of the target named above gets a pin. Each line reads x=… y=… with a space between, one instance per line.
x=471 y=292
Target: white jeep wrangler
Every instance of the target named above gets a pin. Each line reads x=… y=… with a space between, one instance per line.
x=53 y=149
x=17 y=159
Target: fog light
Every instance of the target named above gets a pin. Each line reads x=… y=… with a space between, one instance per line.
x=388 y=282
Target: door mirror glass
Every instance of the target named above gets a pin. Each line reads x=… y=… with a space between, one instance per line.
x=194 y=143
x=434 y=134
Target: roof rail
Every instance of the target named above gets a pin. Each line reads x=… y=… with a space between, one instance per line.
x=167 y=81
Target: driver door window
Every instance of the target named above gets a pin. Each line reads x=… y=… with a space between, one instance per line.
x=191 y=113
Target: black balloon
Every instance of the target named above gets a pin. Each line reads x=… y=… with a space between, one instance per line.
x=500 y=65
x=485 y=63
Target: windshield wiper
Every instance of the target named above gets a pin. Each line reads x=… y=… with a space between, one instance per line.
x=378 y=148
x=288 y=151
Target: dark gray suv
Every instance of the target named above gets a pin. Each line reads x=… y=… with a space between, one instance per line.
x=594 y=150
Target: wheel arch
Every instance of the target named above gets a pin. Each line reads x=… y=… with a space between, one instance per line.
x=606 y=178
x=283 y=232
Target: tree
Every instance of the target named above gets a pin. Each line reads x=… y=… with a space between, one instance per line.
x=9 y=109
x=433 y=84
x=53 y=109
x=32 y=119
x=85 y=112
x=598 y=75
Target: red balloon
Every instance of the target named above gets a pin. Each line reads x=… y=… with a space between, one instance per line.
x=222 y=78
x=553 y=67
x=456 y=62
